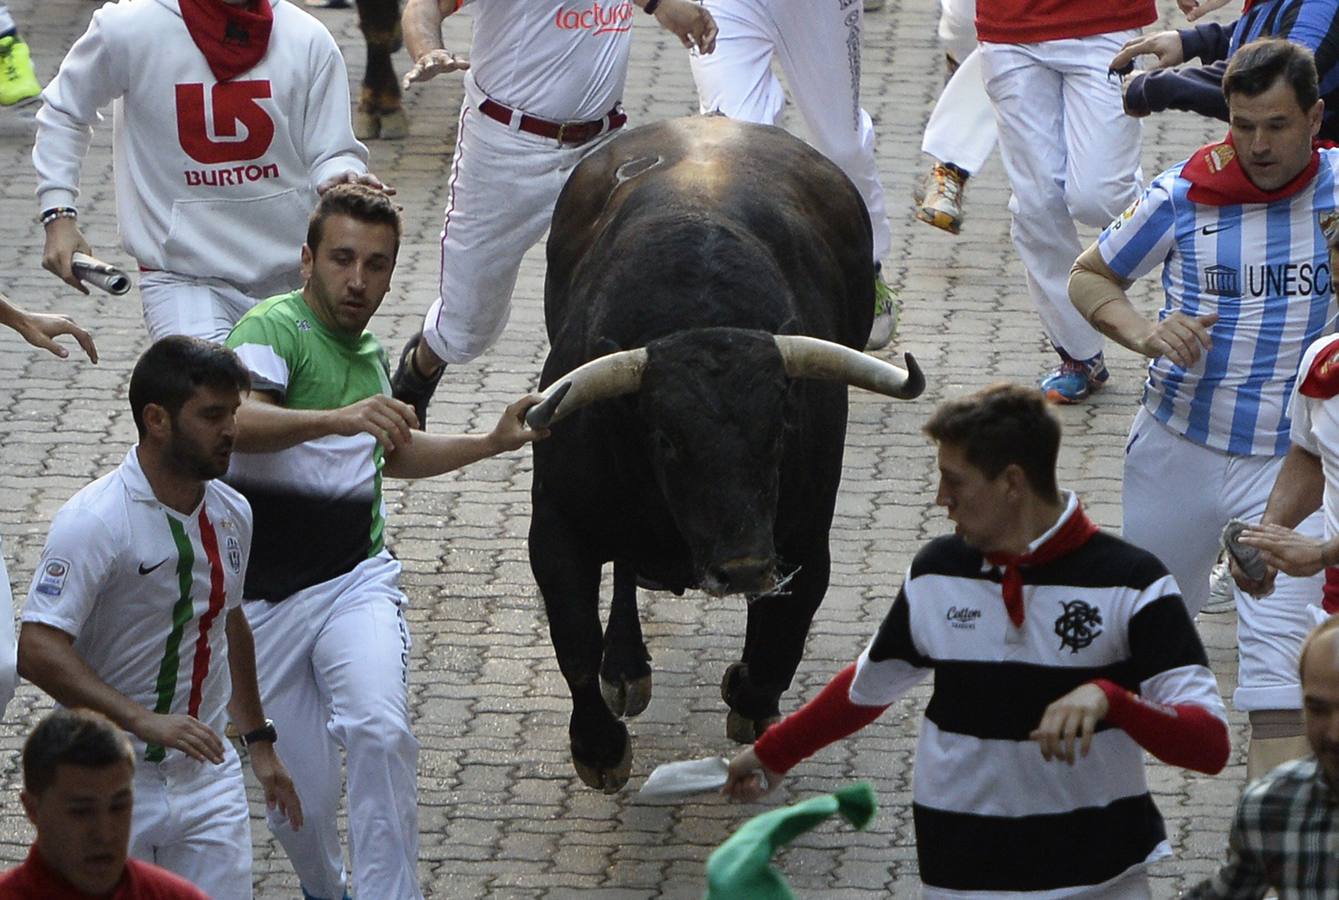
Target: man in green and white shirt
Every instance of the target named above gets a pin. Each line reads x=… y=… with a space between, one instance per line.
x=319 y=430
x=135 y=612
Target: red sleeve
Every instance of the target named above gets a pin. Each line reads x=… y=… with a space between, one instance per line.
x=1185 y=735
x=828 y=717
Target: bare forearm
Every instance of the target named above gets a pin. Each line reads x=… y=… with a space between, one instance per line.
x=1297 y=491
x=436 y=454
x=48 y=660
x=421 y=24
x=244 y=707
x=264 y=427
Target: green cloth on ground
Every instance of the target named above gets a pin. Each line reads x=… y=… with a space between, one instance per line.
x=740 y=868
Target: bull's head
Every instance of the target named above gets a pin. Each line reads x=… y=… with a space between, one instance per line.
x=713 y=402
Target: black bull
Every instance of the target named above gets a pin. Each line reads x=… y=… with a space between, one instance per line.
x=703 y=463
x=379 y=113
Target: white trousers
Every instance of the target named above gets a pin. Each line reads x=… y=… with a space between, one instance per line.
x=957 y=27
x=203 y=308
x=333 y=664
x=962 y=128
x=1070 y=153
x=503 y=186
x=9 y=675
x=1176 y=497
x=6 y=20
x=817 y=43
x=192 y=819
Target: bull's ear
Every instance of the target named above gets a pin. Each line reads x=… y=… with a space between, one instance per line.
x=605 y=346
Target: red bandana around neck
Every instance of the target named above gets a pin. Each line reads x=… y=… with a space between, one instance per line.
x=232 y=38
x=1217 y=178
x=1070 y=536
x=1322 y=378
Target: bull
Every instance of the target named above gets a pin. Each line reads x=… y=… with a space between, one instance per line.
x=709 y=286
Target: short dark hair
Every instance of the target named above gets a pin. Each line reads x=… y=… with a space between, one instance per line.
x=1256 y=67
x=1002 y=425
x=358 y=202
x=171 y=371
x=72 y=737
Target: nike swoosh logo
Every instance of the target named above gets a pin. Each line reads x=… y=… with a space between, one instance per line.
x=146 y=571
x=1214 y=229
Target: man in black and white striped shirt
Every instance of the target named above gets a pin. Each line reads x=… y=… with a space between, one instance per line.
x=1044 y=634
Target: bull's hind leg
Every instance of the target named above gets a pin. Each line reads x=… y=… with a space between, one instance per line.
x=379 y=112
x=777 y=627
x=625 y=673
x=570 y=585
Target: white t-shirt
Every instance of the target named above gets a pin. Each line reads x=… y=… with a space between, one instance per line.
x=145 y=591
x=562 y=60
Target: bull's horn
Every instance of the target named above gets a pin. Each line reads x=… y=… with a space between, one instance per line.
x=809 y=357
x=600 y=379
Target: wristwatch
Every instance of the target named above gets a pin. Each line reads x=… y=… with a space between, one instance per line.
x=265 y=732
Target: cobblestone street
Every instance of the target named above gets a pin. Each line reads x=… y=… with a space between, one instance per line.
x=501 y=810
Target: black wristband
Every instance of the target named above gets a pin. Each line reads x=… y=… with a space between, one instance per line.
x=265 y=732
x=650 y=7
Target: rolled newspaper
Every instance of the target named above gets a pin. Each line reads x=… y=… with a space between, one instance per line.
x=100 y=274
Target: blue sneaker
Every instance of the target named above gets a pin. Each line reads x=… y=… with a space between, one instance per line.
x=1074 y=379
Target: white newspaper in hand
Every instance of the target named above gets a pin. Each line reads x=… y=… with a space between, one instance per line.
x=679 y=779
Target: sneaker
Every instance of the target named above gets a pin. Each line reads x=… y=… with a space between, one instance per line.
x=939 y=201
x=1074 y=379
x=17 y=80
x=408 y=386
x=885 y=315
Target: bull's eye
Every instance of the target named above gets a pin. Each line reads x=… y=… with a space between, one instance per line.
x=666 y=446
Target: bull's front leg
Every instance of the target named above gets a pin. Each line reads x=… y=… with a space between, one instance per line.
x=379 y=113
x=569 y=581
x=625 y=673
x=773 y=646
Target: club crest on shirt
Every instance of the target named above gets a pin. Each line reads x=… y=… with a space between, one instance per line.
x=51 y=580
x=1329 y=226
x=1078 y=624
x=234 y=548
x=1127 y=215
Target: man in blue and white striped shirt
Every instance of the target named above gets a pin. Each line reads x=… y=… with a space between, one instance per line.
x=1239 y=229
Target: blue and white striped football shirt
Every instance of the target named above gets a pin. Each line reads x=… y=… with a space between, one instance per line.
x=1265 y=269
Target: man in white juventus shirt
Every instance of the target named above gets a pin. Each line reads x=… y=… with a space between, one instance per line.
x=136 y=607
x=224 y=135
x=543 y=86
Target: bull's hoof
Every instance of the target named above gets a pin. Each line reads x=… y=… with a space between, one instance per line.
x=626 y=699
x=394 y=125
x=743 y=730
x=366 y=124
x=610 y=780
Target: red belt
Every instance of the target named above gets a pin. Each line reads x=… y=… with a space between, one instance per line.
x=562 y=132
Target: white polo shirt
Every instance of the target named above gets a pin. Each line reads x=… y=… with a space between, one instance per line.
x=145 y=591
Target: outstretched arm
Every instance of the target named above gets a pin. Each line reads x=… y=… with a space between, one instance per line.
x=264 y=425
x=40 y=329
x=690 y=22
x=421 y=24
x=434 y=454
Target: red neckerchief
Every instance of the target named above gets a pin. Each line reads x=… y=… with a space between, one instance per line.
x=1070 y=536
x=232 y=38
x=1322 y=378
x=1330 y=595
x=1217 y=178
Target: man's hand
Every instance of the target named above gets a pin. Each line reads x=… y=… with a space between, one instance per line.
x=388 y=420
x=63 y=241
x=185 y=733
x=40 y=329
x=1165 y=46
x=366 y=178
x=689 y=22
x=1262 y=588
x=1180 y=338
x=1286 y=550
x=431 y=64
x=1194 y=9
x=278 y=786
x=748 y=779
x=1073 y=717
x=511 y=432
